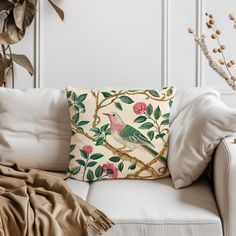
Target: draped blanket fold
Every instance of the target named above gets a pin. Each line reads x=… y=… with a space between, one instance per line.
x=36 y=203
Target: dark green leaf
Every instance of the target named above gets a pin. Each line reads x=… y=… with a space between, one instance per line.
x=118 y=105
x=75 y=170
x=157 y=113
x=150 y=134
x=81 y=98
x=98 y=172
x=167 y=115
x=106 y=94
x=108 y=132
x=99 y=141
x=154 y=93
x=126 y=99
x=96 y=130
x=146 y=125
x=75 y=118
x=96 y=156
x=74 y=96
x=73 y=133
x=83 y=154
x=149 y=109
x=83 y=122
x=79 y=107
x=90 y=175
x=140 y=119
x=121 y=166
x=132 y=167
x=170 y=103
x=160 y=135
x=165 y=122
x=70 y=103
x=81 y=162
x=110 y=171
x=163 y=159
x=72 y=147
x=114 y=159
x=72 y=157
x=91 y=163
x=68 y=94
x=104 y=127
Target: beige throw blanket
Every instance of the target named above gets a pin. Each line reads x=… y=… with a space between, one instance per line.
x=37 y=203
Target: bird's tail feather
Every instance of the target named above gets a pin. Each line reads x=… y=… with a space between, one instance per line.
x=154 y=153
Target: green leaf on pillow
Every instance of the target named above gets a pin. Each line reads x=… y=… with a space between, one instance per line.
x=74 y=96
x=118 y=105
x=146 y=125
x=98 y=172
x=90 y=175
x=132 y=167
x=99 y=141
x=140 y=119
x=75 y=170
x=83 y=154
x=121 y=166
x=83 y=122
x=126 y=99
x=165 y=122
x=166 y=116
x=104 y=127
x=163 y=159
x=108 y=132
x=81 y=162
x=114 y=159
x=154 y=93
x=106 y=94
x=157 y=113
x=71 y=157
x=149 y=109
x=150 y=134
x=96 y=156
x=68 y=94
x=72 y=147
x=96 y=130
x=81 y=98
x=91 y=163
x=160 y=135
x=79 y=107
x=75 y=118
x=170 y=103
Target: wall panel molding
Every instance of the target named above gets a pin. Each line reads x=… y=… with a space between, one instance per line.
x=199 y=79
x=165 y=42
x=37 y=47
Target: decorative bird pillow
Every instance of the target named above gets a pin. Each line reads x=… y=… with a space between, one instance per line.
x=119 y=133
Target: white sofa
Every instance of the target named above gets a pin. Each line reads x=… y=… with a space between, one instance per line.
x=35 y=132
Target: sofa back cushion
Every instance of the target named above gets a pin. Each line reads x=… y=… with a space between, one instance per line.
x=35 y=128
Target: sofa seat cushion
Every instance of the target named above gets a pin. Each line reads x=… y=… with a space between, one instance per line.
x=147 y=207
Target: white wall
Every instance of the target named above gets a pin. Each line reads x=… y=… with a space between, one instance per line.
x=125 y=43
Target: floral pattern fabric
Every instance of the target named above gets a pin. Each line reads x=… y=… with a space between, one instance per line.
x=119 y=133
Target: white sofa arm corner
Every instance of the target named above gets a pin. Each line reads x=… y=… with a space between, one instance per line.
x=224 y=178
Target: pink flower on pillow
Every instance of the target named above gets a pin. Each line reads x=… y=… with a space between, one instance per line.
x=140 y=107
x=88 y=149
x=110 y=170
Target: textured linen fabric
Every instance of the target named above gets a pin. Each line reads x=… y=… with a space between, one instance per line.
x=194 y=135
x=224 y=183
x=35 y=202
x=35 y=128
x=119 y=133
x=147 y=207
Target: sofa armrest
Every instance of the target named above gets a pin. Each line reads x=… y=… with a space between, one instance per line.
x=224 y=178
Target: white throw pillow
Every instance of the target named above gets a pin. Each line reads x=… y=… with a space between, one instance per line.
x=35 y=128
x=195 y=132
